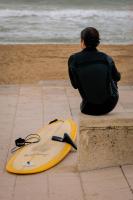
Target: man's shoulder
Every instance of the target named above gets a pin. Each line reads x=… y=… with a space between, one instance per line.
x=106 y=56
x=74 y=57
x=83 y=55
x=77 y=54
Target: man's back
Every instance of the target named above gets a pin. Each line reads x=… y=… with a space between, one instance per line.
x=91 y=71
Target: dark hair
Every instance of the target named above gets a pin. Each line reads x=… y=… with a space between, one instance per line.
x=90 y=36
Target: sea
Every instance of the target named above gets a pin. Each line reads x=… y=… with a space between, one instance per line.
x=61 y=21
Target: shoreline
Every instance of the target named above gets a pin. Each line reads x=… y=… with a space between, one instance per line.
x=102 y=44
x=31 y=63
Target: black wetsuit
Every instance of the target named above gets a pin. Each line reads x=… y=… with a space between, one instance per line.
x=95 y=75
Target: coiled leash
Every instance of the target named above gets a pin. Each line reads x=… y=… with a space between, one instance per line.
x=21 y=142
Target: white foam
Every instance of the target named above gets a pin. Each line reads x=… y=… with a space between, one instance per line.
x=39 y=25
x=69 y=13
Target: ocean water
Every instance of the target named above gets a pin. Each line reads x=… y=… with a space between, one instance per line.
x=61 y=21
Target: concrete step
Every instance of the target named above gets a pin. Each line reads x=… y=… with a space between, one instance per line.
x=105 y=141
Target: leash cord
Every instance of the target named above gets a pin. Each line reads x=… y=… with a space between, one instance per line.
x=21 y=142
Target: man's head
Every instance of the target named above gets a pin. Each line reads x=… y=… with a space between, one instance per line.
x=90 y=37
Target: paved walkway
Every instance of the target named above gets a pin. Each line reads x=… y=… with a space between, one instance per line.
x=23 y=110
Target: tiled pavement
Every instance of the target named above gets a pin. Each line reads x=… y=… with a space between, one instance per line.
x=23 y=110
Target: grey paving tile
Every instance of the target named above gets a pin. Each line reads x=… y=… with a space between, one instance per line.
x=4 y=147
x=105 y=184
x=25 y=127
x=65 y=186
x=119 y=194
x=6 y=122
x=119 y=108
x=126 y=96
x=8 y=103
x=7 y=184
x=33 y=115
x=55 y=104
x=128 y=171
x=125 y=87
x=72 y=92
x=31 y=187
x=54 y=83
x=57 y=91
x=9 y=89
x=128 y=107
x=67 y=165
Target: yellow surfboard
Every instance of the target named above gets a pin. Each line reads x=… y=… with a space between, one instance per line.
x=46 y=153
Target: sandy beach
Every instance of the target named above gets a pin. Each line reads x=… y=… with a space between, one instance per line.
x=32 y=63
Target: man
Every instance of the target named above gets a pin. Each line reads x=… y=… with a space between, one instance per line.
x=95 y=75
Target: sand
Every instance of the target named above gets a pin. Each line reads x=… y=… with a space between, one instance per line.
x=32 y=63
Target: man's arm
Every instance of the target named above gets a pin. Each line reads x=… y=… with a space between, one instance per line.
x=116 y=76
x=72 y=75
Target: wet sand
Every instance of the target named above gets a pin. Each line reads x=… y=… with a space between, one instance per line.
x=32 y=63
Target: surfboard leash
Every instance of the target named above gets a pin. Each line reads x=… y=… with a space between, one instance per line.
x=21 y=142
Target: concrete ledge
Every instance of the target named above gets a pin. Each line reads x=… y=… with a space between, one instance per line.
x=105 y=141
